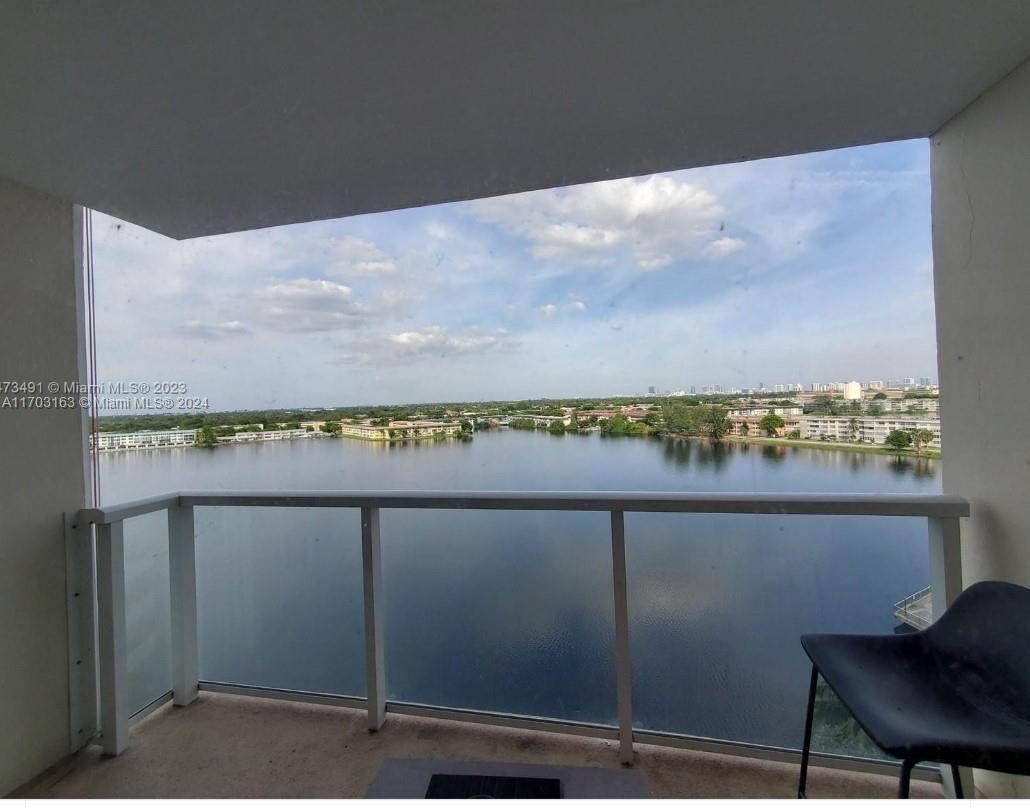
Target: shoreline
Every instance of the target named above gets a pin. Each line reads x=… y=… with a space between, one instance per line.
x=929 y=454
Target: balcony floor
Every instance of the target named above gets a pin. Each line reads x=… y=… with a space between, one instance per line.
x=237 y=746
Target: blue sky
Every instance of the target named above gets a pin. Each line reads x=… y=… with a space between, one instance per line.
x=796 y=269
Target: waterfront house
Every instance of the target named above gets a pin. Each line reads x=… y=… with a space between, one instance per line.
x=196 y=118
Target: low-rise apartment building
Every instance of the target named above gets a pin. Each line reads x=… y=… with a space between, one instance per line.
x=544 y=420
x=744 y=423
x=930 y=406
x=866 y=429
x=266 y=435
x=399 y=430
x=749 y=412
x=107 y=441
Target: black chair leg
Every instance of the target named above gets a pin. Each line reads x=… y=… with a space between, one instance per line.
x=906 y=777
x=958 y=782
x=808 y=734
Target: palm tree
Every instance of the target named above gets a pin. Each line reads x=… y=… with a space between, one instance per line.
x=921 y=438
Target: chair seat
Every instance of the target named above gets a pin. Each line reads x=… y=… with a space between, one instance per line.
x=918 y=702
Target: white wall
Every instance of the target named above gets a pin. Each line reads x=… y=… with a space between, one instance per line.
x=42 y=474
x=981 y=244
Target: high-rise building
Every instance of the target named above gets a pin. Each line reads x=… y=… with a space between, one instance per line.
x=852 y=391
x=650 y=390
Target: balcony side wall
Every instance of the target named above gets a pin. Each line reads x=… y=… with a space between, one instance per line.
x=981 y=244
x=43 y=469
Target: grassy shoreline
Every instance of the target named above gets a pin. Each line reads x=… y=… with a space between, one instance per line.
x=933 y=454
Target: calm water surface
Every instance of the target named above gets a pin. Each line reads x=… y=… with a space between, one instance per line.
x=512 y=612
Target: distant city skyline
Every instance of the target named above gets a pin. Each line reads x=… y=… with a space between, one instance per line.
x=814 y=267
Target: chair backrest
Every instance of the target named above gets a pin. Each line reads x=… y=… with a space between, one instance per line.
x=988 y=626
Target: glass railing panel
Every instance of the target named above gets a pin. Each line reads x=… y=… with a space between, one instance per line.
x=279 y=598
x=718 y=603
x=147 y=614
x=500 y=611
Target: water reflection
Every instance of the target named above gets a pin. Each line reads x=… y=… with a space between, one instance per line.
x=701 y=454
x=677 y=451
x=774 y=454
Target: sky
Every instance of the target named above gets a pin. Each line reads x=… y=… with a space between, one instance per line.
x=798 y=269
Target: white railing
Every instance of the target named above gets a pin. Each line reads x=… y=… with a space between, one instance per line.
x=941 y=512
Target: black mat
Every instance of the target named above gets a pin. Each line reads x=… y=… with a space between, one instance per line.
x=400 y=778
x=477 y=786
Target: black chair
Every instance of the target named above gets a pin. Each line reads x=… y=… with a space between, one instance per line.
x=957 y=693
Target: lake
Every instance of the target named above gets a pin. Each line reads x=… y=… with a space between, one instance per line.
x=512 y=612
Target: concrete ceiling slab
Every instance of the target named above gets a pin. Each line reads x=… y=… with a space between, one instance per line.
x=199 y=117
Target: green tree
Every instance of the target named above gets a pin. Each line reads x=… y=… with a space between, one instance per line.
x=823 y=405
x=898 y=440
x=714 y=423
x=852 y=429
x=879 y=397
x=771 y=424
x=621 y=425
x=920 y=439
x=874 y=409
x=744 y=429
x=331 y=428
x=556 y=428
x=206 y=437
x=680 y=418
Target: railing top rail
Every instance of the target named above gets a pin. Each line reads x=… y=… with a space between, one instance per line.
x=115 y=513
x=926 y=505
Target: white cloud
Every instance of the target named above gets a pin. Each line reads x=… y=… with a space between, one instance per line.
x=432 y=341
x=438 y=341
x=724 y=246
x=202 y=330
x=438 y=231
x=650 y=222
x=305 y=304
x=574 y=304
x=351 y=256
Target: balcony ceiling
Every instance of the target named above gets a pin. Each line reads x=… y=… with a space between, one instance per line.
x=199 y=117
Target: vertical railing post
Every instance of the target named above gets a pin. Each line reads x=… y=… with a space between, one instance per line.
x=182 y=579
x=623 y=662
x=82 y=647
x=114 y=686
x=375 y=671
x=945 y=585
x=945 y=562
